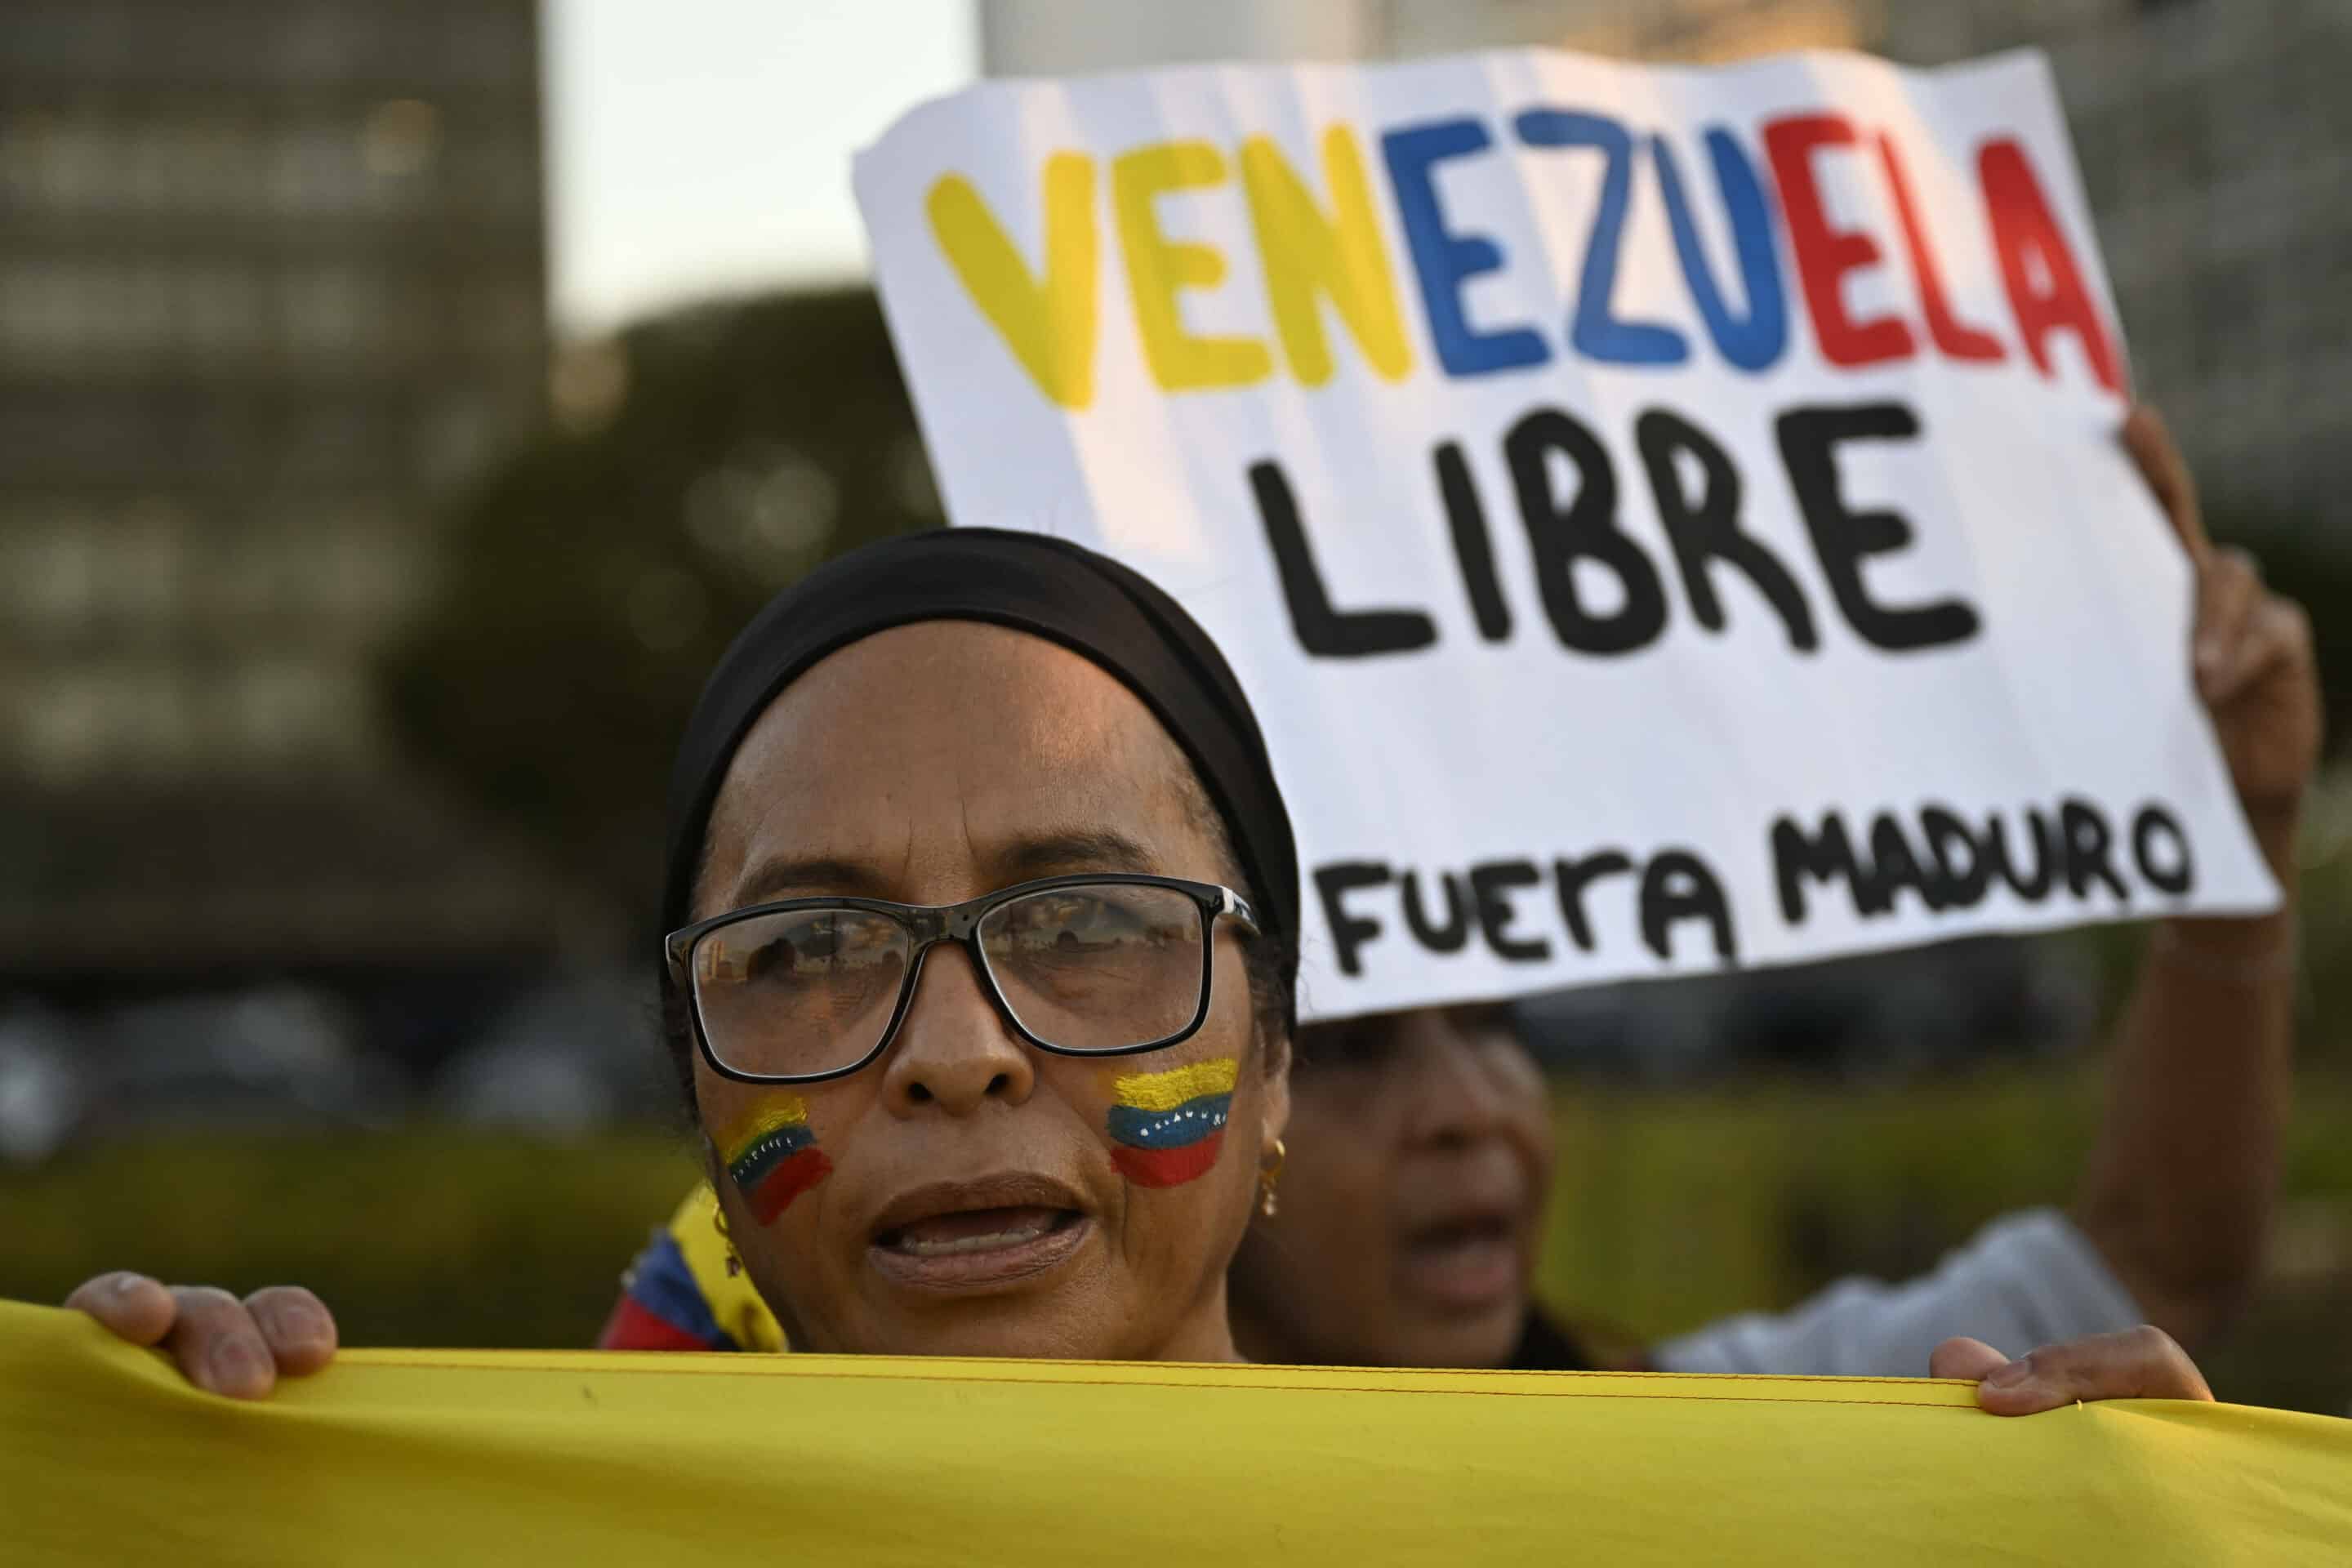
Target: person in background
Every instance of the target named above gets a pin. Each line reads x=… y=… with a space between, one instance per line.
x=1421 y=1141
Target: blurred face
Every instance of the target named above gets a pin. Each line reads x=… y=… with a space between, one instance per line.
x=1420 y=1156
x=967 y=1193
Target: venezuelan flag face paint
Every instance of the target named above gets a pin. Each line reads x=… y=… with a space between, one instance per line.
x=1166 y=1128
x=772 y=1157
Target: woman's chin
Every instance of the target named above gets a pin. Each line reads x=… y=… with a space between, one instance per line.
x=1044 y=1298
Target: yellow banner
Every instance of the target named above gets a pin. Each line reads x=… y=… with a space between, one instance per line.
x=443 y=1457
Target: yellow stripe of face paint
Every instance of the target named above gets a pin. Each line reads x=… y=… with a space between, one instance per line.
x=761 y=1121
x=1167 y=1090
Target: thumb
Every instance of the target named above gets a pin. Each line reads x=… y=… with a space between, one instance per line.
x=1971 y=1360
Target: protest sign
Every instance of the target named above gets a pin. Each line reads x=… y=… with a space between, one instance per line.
x=1667 y=519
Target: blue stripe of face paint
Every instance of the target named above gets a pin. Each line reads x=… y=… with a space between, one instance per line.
x=770 y=1148
x=1188 y=1123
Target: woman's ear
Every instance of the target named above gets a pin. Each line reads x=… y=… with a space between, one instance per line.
x=1273 y=1052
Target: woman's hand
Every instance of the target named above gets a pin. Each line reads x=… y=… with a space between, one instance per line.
x=2138 y=1363
x=2252 y=650
x=226 y=1346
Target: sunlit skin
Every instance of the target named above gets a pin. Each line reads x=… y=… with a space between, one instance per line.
x=929 y=765
x=1419 y=1161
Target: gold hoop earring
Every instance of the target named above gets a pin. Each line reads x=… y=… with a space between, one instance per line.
x=1268 y=1178
x=734 y=1259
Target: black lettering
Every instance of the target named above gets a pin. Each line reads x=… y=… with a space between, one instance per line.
x=1323 y=631
x=1348 y=932
x=1894 y=866
x=2175 y=874
x=1574 y=877
x=2087 y=843
x=1808 y=438
x=1676 y=885
x=1705 y=529
x=2033 y=888
x=1448 y=937
x=1956 y=865
x=1472 y=548
x=1826 y=857
x=1585 y=530
x=1490 y=885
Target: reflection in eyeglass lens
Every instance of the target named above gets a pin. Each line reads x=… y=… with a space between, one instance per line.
x=1097 y=968
x=803 y=991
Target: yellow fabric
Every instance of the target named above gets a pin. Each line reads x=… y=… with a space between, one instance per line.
x=582 y=1458
x=733 y=1302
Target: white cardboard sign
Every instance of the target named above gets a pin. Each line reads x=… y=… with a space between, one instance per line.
x=1665 y=518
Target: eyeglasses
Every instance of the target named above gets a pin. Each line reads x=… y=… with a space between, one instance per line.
x=808 y=989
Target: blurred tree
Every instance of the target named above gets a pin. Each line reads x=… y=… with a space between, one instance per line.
x=691 y=467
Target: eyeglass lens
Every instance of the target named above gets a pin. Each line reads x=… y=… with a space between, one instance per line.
x=1092 y=968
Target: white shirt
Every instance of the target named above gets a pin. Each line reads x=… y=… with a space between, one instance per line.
x=2026 y=1280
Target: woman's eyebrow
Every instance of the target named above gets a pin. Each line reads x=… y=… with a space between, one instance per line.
x=1075 y=850
x=799 y=875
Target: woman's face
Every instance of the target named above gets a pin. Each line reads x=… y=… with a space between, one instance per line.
x=960 y=1196
x=1420 y=1157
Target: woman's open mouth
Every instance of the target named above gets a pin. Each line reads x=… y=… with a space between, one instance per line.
x=1464 y=1262
x=961 y=1235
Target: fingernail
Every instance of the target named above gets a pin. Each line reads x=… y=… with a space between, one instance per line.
x=235 y=1364
x=123 y=1284
x=297 y=1324
x=2008 y=1376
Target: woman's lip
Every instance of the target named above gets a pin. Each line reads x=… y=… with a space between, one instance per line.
x=1472 y=1269
x=1000 y=1190
x=986 y=1266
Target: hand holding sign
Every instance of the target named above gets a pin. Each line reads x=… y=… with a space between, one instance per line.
x=2252 y=650
x=1668 y=518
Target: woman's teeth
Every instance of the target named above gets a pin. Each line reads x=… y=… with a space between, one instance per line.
x=918 y=1248
x=952 y=1235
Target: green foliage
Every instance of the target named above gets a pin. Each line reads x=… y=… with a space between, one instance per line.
x=421 y=1237
x=596 y=574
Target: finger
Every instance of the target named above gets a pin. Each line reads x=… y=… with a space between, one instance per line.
x=296 y=1326
x=2279 y=637
x=2139 y=1363
x=219 y=1345
x=2150 y=441
x=131 y=1306
x=2228 y=590
x=1964 y=1358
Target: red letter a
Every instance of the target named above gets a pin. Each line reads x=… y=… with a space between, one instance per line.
x=2024 y=231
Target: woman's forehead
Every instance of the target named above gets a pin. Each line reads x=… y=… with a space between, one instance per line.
x=951 y=740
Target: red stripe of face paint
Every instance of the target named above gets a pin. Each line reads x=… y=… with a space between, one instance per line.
x=1168 y=1167
x=786 y=1182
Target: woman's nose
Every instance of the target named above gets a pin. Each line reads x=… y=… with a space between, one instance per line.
x=1456 y=1098
x=954 y=1050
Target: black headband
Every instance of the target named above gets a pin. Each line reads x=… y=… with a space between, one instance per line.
x=1049 y=587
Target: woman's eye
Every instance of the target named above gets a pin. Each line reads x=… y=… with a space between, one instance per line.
x=1349 y=1045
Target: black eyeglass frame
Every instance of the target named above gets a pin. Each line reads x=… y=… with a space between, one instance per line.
x=926 y=926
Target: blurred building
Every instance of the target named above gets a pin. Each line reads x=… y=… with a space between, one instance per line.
x=271 y=283
x=2215 y=139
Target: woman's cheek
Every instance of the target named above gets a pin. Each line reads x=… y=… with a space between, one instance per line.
x=1168 y=1128
x=771 y=1155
